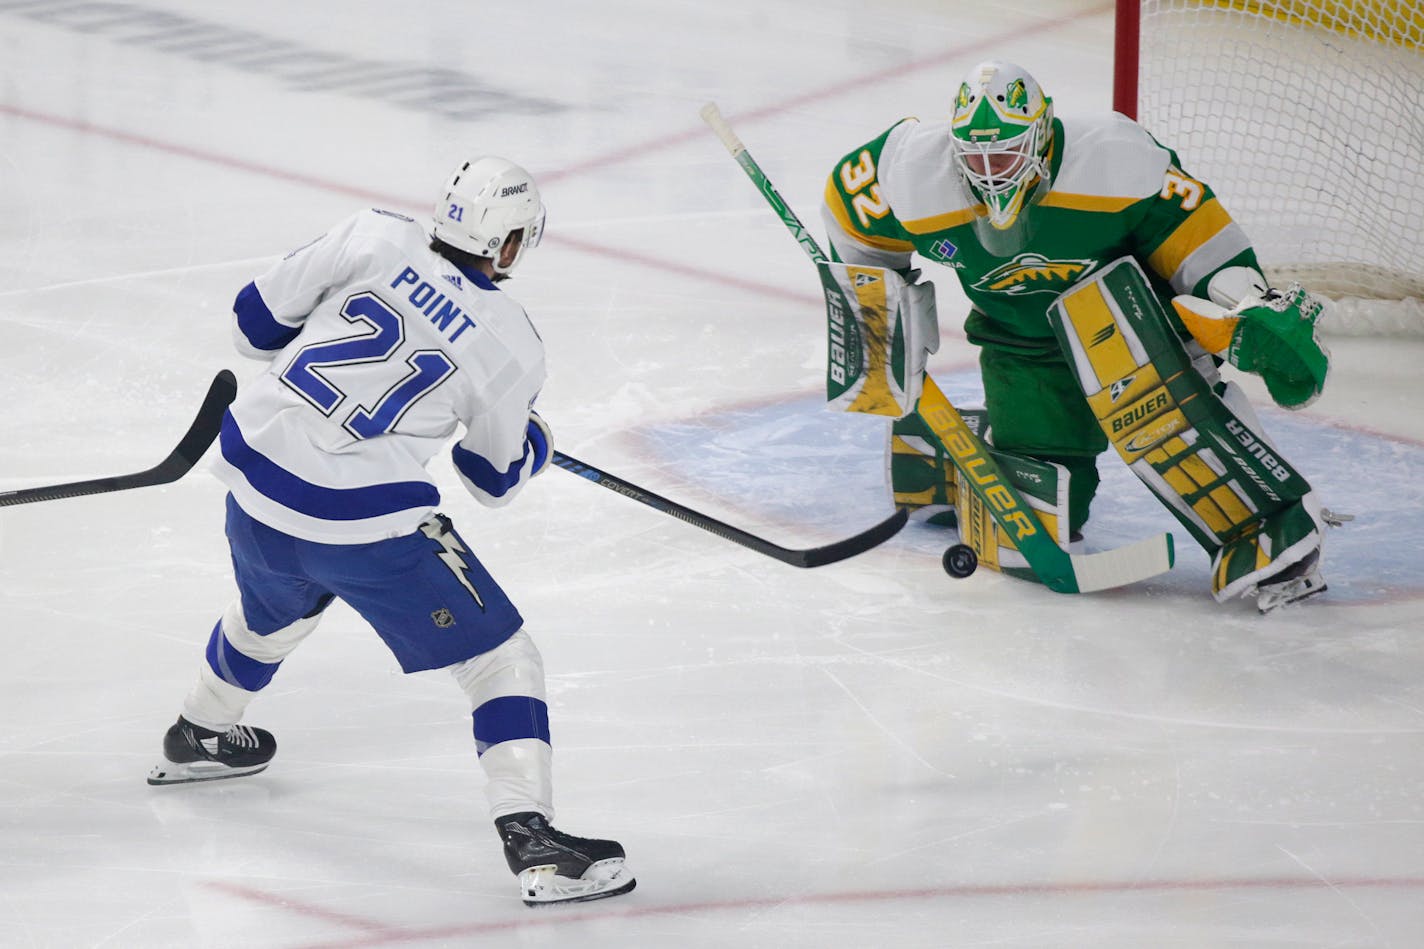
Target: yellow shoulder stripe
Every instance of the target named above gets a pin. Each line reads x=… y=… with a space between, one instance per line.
x=838 y=210
x=1200 y=226
x=939 y=222
x=1086 y=202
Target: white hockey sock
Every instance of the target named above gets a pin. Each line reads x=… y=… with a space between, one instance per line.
x=215 y=703
x=519 y=770
x=519 y=777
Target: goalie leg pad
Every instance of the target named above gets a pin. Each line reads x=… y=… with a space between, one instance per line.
x=1250 y=563
x=921 y=476
x=1221 y=479
x=1044 y=486
x=925 y=480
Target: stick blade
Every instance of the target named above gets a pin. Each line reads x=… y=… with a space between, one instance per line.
x=201 y=433
x=852 y=546
x=1123 y=565
x=208 y=421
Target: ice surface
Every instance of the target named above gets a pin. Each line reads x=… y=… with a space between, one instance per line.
x=867 y=754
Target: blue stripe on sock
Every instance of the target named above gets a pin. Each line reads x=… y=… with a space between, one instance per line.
x=508 y=718
x=236 y=668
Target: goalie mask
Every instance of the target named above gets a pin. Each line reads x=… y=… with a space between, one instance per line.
x=1002 y=133
x=487 y=203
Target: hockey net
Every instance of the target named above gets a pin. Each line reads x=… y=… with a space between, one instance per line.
x=1307 y=118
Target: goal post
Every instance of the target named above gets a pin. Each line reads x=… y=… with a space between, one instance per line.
x=1307 y=119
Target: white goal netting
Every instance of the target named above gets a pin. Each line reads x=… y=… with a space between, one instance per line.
x=1307 y=118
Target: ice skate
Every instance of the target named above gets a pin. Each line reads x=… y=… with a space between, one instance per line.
x=193 y=753
x=1291 y=585
x=555 y=867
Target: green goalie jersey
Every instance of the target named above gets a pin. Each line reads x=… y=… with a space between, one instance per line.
x=1114 y=192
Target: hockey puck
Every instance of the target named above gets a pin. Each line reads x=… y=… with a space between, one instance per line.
x=959 y=561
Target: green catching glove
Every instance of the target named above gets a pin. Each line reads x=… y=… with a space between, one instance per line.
x=1273 y=336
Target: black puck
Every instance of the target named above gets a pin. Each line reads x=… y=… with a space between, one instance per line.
x=960 y=561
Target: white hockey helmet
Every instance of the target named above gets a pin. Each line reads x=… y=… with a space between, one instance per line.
x=1002 y=132
x=485 y=203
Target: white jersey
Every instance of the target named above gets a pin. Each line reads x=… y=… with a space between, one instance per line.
x=379 y=349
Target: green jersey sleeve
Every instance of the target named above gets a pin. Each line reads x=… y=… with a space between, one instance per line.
x=1185 y=236
x=862 y=227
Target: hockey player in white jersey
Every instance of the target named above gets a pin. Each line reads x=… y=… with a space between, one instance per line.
x=384 y=339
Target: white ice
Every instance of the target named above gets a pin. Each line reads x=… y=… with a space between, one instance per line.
x=861 y=755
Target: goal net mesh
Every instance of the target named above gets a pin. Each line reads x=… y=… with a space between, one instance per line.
x=1307 y=119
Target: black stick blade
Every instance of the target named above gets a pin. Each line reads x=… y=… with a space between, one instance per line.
x=811 y=557
x=179 y=462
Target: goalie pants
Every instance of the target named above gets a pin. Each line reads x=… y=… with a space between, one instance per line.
x=432 y=603
x=1036 y=408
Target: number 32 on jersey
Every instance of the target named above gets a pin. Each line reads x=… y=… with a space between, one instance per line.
x=858 y=180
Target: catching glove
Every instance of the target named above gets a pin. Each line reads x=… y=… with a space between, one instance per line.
x=1273 y=335
x=541 y=442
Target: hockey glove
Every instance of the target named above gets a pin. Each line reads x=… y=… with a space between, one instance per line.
x=1273 y=335
x=541 y=442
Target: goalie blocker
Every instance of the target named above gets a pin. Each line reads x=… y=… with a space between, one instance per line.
x=1202 y=454
x=881 y=329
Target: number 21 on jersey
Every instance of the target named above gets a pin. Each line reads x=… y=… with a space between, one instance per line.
x=427 y=368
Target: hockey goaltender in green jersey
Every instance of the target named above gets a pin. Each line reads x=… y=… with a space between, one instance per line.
x=1023 y=207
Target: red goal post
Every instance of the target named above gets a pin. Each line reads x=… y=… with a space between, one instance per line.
x=1307 y=119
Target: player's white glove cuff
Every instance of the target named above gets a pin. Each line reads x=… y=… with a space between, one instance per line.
x=541 y=442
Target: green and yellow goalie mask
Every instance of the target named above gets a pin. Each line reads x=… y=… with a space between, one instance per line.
x=1002 y=134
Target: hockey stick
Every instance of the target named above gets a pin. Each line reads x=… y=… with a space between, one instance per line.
x=1059 y=570
x=811 y=557
x=196 y=441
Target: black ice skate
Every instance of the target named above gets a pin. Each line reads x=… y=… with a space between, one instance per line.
x=198 y=754
x=555 y=867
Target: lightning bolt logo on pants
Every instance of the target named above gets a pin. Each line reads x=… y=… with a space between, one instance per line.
x=438 y=529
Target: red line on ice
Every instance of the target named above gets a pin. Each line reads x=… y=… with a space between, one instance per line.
x=378 y=934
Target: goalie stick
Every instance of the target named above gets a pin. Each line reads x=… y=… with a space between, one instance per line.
x=180 y=460
x=1060 y=571
x=811 y=557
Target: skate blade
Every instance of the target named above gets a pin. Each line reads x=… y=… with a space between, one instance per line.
x=1266 y=603
x=542 y=886
x=190 y=773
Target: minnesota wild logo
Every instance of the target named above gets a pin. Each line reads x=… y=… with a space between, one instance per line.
x=961 y=101
x=1033 y=273
x=1016 y=96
